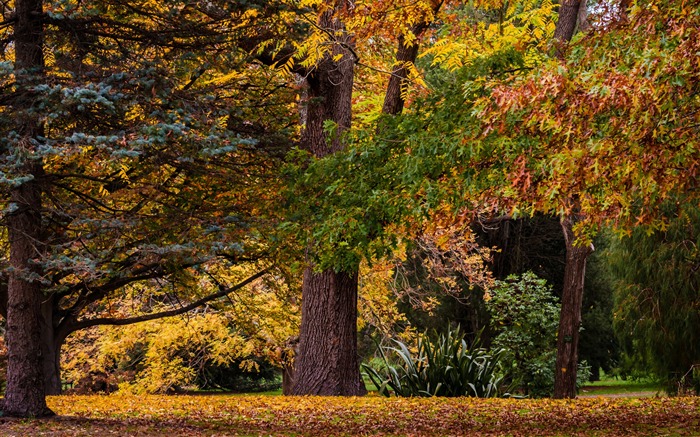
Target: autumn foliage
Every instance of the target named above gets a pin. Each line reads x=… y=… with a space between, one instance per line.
x=314 y=416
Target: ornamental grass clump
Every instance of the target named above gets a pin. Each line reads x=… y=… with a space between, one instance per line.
x=445 y=366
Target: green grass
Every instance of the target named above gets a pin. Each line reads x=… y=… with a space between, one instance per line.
x=611 y=386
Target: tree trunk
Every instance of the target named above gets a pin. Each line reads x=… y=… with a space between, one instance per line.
x=406 y=54
x=570 y=319
x=50 y=349
x=566 y=23
x=582 y=19
x=327 y=363
x=24 y=396
x=575 y=269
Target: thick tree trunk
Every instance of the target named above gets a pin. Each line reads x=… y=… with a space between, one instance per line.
x=570 y=319
x=24 y=396
x=327 y=363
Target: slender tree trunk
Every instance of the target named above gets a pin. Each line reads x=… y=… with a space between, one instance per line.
x=570 y=319
x=328 y=363
x=406 y=54
x=576 y=256
x=24 y=396
x=568 y=16
x=582 y=19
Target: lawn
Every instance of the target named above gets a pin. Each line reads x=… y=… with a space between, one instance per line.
x=182 y=415
x=611 y=386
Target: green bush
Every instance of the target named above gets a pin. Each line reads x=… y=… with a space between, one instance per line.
x=445 y=366
x=525 y=317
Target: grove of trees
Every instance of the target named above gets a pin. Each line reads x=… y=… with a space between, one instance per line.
x=297 y=164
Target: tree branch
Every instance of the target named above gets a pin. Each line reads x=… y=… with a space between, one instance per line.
x=131 y=320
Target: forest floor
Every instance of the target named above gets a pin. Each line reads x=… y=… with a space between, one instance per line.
x=181 y=415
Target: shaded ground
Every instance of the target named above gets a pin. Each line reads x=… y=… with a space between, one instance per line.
x=310 y=416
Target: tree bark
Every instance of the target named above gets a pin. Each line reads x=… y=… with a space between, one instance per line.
x=570 y=319
x=582 y=23
x=576 y=256
x=24 y=396
x=566 y=23
x=328 y=363
x=406 y=54
x=50 y=349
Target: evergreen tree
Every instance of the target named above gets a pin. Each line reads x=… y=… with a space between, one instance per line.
x=657 y=296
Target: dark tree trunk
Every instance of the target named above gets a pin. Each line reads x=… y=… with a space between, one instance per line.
x=51 y=344
x=406 y=54
x=570 y=319
x=566 y=23
x=24 y=396
x=327 y=363
x=576 y=256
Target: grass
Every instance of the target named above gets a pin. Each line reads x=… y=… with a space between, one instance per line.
x=609 y=385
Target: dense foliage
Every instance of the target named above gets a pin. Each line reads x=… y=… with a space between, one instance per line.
x=142 y=176
x=656 y=301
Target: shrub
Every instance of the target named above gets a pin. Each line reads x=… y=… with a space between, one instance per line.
x=204 y=350
x=443 y=367
x=525 y=316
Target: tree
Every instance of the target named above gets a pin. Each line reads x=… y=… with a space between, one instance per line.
x=24 y=395
x=603 y=136
x=130 y=155
x=524 y=316
x=327 y=363
x=656 y=297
